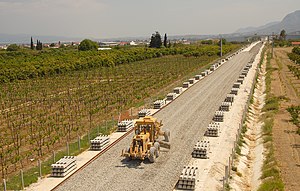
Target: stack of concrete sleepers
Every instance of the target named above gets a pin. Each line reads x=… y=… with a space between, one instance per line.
x=247 y=67
x=178 y=90
x=225 y=106
x=252 y=60
x=171 y=96
x=240 y=80
x=198 y=77
x=244 y=72
x=158 y=104
x=186 y=84
x=144 y=112
x=201 y=149
x=99 y=142
x=187 y=179
x=125 y=125
x=234 y=91
x=64 y=166
x=207 y=72
x=213 y=130
x=212 y=68
x=192 y=80
x=219 y=116
x=236 y=85
x=229 y=98
x=242 y=76
x=203 y=73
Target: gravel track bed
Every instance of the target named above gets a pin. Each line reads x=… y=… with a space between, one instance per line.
x=187 y=118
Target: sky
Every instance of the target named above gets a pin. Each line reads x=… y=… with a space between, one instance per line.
x=137 y=18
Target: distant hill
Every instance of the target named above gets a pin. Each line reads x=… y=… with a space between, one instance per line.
x=251 y=29
x=290 y=23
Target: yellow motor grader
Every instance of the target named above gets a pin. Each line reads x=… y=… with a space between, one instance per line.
x=145 y=142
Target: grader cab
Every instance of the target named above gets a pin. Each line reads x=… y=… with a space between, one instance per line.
x=145 y=142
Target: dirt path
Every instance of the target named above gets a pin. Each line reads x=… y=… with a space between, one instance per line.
x=286 y=141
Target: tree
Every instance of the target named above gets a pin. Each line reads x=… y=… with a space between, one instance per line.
x=52 y=45
x=13 y=47
x=206 y=42
x=155 y=40
x=88 y=44
x=169 y=45
x=31 y=44
x=282 y=35
x=39 y=45
x=165 y=40
x=224 y=41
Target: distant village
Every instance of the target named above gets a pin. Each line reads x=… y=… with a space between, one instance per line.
x=102 y=45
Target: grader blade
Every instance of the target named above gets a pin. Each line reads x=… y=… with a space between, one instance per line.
x=164 y=144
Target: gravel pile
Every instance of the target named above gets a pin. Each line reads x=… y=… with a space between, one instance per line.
x=187 y=118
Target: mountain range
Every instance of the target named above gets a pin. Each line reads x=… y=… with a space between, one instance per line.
x=290 y=23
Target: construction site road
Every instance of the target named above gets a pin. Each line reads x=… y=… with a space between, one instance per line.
x=186 y=117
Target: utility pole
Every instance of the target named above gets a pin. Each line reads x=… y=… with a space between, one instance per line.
x=272 y=44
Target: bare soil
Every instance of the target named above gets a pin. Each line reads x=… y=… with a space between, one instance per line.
x=286 y=141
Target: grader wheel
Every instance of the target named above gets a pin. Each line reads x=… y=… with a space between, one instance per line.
x=152 y=156
x=157 y=147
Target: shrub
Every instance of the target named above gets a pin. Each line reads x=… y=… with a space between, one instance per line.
x=13 y=47
x=87 y=44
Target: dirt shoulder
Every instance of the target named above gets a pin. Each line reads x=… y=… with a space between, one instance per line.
x=286 y=141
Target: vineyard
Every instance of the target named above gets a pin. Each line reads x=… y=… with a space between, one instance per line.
x=295 y=70
x=295 y=55
x=295 y=110
x=40 y=115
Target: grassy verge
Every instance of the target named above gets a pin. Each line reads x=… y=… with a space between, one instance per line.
x=259 y=66
x=241 y=140
x=271 y=178
x=243 y=130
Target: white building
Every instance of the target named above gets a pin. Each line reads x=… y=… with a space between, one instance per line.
x=132 y=43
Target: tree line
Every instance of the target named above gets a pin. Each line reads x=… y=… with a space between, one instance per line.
x=22 y=65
